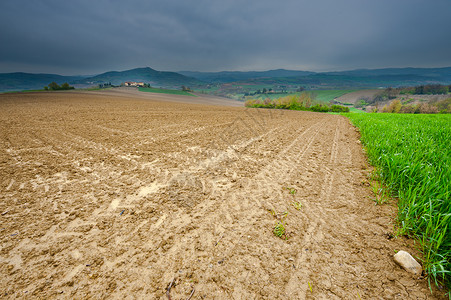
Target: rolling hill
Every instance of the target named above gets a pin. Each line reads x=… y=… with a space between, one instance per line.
x=27 y=81
x=232 y=76
x=440 y=74
x=147 y=75
x=230 y=82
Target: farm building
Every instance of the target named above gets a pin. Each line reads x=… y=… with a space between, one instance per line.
x=132 y=83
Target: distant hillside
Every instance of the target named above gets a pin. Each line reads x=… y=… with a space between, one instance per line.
x=229 y=82
x=364 y=78
x=354 y=79
x=146 y=75
x=26 y=81
x=340 y=81
x=437 y=74
x=232 y=76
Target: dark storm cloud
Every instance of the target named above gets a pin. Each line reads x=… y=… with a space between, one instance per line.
x=78 y=37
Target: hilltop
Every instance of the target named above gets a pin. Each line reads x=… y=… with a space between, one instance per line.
x=27 y=81
x=147 y=75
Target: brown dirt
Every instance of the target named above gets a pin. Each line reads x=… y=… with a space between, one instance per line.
x=136 y=94
x=104 y=196
x=357 y=95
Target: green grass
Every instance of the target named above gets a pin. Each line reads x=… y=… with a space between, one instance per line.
x=412 y=156
x=164 y=91
x=355 y=110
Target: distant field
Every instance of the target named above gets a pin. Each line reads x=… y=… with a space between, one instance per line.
x=164 y=91
x=324 y=96
x=355 y=110
x=273 y=96
x=355 y=95
x=328 y=95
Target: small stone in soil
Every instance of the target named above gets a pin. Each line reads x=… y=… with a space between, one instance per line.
x=409 y=263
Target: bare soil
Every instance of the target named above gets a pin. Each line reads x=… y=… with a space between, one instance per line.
x=114 y=196
x=353 y=97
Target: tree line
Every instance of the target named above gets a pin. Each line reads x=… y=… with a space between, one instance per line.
x=53 y=86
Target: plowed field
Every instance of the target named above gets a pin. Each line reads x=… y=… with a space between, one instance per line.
x=108 y=196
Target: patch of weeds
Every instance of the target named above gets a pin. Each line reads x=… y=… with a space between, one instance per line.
x=272 y=212
x=279 y=229
x=381 y=193
x=297 y=205
x=293 y=191
x=364 y=182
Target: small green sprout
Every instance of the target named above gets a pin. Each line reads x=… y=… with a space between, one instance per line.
x=279 y=229
x=297 y=205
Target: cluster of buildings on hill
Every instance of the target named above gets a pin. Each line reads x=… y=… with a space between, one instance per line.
x=127 y=83
x=133 y=83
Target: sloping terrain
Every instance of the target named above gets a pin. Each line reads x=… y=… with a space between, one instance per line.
x=353 y=97
x=26 y=81
x=104 y=196
x=146 y=75
x=232 y=76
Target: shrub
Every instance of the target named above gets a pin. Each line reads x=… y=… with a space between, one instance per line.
x=409 y=109
x=295 y=102
x=444 y=106
x=364 y=101
x=395 y=106
x=53 y=86
x=428 y=109
x=339 y=108
x=319 y=108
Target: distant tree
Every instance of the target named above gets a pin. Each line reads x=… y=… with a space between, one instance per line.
x=391 y=93
x=53 y=86
x=395 y=106
x=431 y=89
x=428 y=109
x=66 y=86
x=362 y=102
x=264 y=91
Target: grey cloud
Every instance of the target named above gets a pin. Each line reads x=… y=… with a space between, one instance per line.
x=74 y=37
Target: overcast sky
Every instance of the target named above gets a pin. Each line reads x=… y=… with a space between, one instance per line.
x=89 y=37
